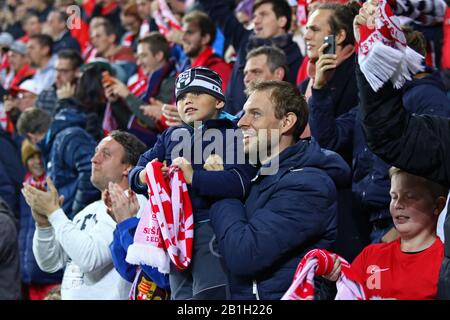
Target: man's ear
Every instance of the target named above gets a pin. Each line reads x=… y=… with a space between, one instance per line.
x=282 y=21
x=159 y=56
x=127 y=170
x=206 y=38
x=280 y=73
x=288 y=122
x=112 y=38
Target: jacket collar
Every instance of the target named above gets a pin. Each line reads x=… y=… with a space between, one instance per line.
x=287 y=160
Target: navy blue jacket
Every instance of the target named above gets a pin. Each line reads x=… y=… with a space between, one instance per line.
x=123 y=238
x=207 y=186
x=11 y=172
x=243 y=41
x=342 y=85
x=371 y=183
x=30 y=271
x=343 y=92
x=67 y=150
x=66 y=42
x=284 y=216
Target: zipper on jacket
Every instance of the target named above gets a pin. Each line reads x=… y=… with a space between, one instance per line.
x=255 y=289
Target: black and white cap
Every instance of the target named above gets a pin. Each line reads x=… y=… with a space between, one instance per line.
x=199 y=79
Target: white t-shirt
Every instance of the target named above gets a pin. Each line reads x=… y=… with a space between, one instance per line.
x=82 y=247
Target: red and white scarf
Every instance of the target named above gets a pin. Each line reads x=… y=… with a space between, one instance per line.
x=318 y=262
x=166 y=229
x=383 y=53
x=165 y=19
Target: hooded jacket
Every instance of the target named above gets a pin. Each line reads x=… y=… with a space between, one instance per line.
x=285 y=215
x=67 y=150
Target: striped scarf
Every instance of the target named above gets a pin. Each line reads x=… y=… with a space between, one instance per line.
x=319 y=262
x=383 y=52
x=166 y=229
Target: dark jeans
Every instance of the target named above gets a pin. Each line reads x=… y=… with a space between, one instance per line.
x=206 y=277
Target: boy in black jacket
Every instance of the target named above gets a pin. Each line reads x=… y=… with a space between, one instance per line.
x=204 y=136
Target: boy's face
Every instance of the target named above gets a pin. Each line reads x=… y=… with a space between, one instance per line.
x=412 y=207
x=198 y=106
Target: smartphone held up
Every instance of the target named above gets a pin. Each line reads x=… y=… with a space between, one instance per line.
x=331 y=47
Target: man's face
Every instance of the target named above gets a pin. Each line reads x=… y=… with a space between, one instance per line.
x=64 y=72
x=317 y=28
x=257 y=69
x=144 y=8
x=35 y=138
x=36 y=52
x=130 y=23
x=100 y=40
x=16 y=60
x=26 y=100
x=195 y=106
x=267 y=25
x=193 y=42
x=107 y=164
x=54 y=24
x=145 y=58
x=258 y=123
x=32 y=26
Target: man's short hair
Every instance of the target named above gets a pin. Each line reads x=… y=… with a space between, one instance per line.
x=107 y=27
x=62 y=16
x=30 y=14
x=204 y=23
x=33 y=120
x=131 y=10
x=44 y=40
x=286 y=98
x=73 y=56
x=415 y=40
x=276 y=58
x=156 y=42
x=132 y=146
x=341 y=19
x=281 y=8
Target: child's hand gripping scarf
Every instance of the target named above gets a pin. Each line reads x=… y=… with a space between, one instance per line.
x=317 y=263
x=383 y=53
x=166 y=229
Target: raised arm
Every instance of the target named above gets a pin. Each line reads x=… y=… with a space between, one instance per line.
x=418 y=144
